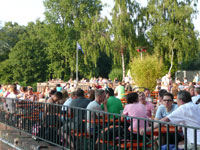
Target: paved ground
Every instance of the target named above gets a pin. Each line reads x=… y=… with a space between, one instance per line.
x=21 y=141
x=4 y=146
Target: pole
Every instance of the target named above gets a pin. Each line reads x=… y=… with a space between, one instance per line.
x=141 y=55
x=76 y=63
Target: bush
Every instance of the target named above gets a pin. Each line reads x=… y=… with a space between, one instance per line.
x=116 y=73
x=145 y=72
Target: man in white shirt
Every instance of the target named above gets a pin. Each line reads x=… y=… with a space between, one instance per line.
x=186 y=114
x=11 y=99
x=197 y=95
x=166 y=80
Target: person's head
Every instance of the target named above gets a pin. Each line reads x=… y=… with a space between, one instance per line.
x=169 y=75
x=110 y=85
x=141 y=97
x=47 y=89
x=52 y=92
x=67 y=85
x=119 y=83
x=13 y=89
x=161 y=93
x=132 y=98
x=109 y=92
x=23 y=89
x=174 y=86
x=191 y=90
x=74 y=95
x=168 y=100
x=183 y=97
x=80 y=92
x=91 y=95
x=197 y=91
x=64 y=94
x=56 y=97
x=146 y=92
x=30 y=91
x=100 y=96
x=58 y=85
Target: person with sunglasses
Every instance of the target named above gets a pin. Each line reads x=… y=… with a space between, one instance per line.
x=167 y=107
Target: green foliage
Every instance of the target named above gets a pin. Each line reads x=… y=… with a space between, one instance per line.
x=27 y=61
x=116 y=73
x=69 y=22
x=9 y=36
x=145 y=72
x=6 y=72
x=172 y=31
x=43 y=50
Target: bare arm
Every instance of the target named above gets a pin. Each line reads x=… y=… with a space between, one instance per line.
x=156 y=125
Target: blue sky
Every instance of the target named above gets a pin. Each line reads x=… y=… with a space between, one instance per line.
x=24 y=11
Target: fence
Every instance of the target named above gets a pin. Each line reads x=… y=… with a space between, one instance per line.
x=78 y=128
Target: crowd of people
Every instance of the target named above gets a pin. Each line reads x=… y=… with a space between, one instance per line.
x=105 y=97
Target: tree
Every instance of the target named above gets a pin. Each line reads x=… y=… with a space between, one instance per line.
x=145 y=72
x=69 y=22
x=172 y=31
x=9 y=36
x=123 y=31
x=28 y=58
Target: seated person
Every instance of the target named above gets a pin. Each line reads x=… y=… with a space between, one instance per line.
x=114 y=105
x=147 y=95
x=135 y=109
x=73 y=96
x=186 y=114
x=167 y=107
x=91 y=95
x=147 y=104
x=100 y=98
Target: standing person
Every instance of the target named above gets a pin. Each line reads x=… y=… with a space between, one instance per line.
x=166 y=82
x=114 y=105
x=128 y=87
x=196 y=78
x=58 y=88
x=120 y=90
x=186 y=114
x=197 y=95
x=11 y=96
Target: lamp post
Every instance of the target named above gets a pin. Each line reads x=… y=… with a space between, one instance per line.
x=140 y=50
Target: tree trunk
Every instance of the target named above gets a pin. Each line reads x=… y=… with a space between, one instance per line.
x=172 y=57
x=123 y=64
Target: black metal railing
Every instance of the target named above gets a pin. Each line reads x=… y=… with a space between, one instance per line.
x=78 y=128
